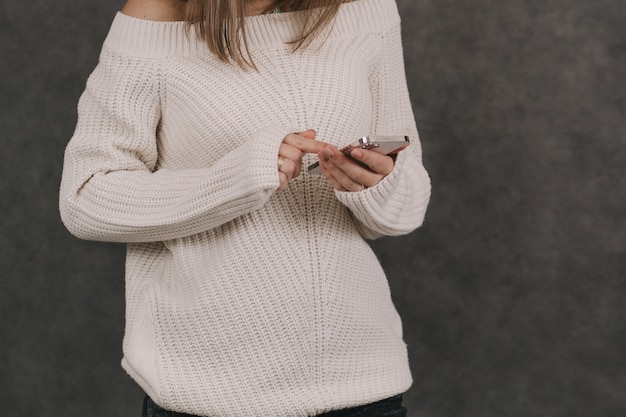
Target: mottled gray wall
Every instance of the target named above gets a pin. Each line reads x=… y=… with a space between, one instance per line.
x=513 y=294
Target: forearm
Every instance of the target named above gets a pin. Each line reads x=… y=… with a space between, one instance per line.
x=134 y=205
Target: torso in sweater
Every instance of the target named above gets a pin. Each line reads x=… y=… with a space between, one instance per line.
x=241 y=300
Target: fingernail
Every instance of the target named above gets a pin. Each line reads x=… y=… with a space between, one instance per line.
x=329 y=153
x=357 y=153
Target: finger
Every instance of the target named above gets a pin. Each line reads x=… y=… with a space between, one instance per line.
x=339 y=180
x=349 y=173
x=298 y=168
x=283 y=181
x=339 y=170
x=288 y=168
x=378 y=163
x=310 y=133
x=304 y=143
x=332 y=180
x=289 y=152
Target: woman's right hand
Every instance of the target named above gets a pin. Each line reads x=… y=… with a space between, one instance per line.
x=290 y=153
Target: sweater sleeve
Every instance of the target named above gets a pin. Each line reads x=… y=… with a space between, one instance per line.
x=111 y=188
x=397 y=205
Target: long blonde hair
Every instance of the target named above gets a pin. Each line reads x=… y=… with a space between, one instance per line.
x=220 y=23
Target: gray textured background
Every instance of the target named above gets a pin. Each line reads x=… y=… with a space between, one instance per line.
x=513 y=294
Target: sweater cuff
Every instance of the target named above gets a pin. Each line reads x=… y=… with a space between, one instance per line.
x=383 y=207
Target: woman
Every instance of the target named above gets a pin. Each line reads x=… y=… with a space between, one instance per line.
x=250 y=288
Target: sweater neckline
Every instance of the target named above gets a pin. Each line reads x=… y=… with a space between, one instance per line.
x=149 y=38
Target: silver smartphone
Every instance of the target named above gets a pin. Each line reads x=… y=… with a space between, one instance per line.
x=386 y=145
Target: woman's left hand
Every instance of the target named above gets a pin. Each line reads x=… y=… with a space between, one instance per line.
x=346 y=174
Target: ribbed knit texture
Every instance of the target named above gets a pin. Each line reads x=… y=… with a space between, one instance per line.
x=243 y=300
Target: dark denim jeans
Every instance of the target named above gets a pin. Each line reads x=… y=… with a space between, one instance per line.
x=391 y=407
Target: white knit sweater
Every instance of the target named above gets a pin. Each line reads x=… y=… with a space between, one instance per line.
x=243 y=300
